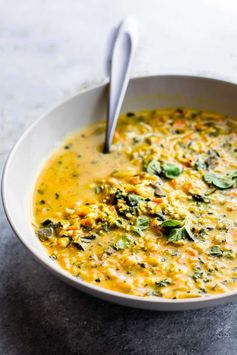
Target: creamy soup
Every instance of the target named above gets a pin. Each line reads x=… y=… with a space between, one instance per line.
x=154 y=218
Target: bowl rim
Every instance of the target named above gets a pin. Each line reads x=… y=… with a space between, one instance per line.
x=60 y=272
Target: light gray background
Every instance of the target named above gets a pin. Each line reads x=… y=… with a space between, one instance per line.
x=49 y=50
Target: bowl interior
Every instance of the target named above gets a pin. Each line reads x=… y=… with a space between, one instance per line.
x=38 y=142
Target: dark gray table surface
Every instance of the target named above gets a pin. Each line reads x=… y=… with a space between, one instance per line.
x=47 y=51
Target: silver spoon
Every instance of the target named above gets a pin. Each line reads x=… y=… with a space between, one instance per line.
x=121 y=62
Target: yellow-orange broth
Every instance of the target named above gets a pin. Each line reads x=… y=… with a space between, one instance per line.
x=156 y=216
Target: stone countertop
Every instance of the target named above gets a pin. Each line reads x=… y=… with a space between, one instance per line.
x=49 y=50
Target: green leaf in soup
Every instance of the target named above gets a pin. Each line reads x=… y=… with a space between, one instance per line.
x=221 y=182
x=234 y=174
x=216 y=251
x=171 y=171
x=133 y=200
x=208 y=178
x=153 y=168
x=143 y=222
x=172 y=223
x=188 y=232
x=176 y=234
x=123 y=242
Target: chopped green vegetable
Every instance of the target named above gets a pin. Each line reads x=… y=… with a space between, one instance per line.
x=44 y=233
x=134 y=200
x=216 y=251
x=153 y=168
x=123 y=242
x=229 y=254
x=221 y=182
x=177 y=230
x=172 y=223
x=142 y=223
x=171 y=171
x=197 y=275
x=163 y=283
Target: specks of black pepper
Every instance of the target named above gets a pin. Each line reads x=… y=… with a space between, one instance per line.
x=97 y=280
x=56 y=196
x=94 y=162
x=75 y=175
x=40 y=191
x=130 y=114
x=68 y=146
x=78 y=156
x=59 y=162
x=42 y=202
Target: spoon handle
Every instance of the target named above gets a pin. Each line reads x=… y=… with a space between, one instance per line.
x=121 y=62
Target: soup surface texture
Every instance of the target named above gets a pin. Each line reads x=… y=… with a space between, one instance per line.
x=157 y=217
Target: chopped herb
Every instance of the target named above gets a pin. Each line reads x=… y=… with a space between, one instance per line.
x=216 y=251
x=197 y=275
x=163 y=283
x=229 y=254
x=200 y=198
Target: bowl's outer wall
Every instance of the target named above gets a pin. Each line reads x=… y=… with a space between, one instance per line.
x=38 y=142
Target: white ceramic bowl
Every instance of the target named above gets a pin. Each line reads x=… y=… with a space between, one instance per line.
x=40 y=139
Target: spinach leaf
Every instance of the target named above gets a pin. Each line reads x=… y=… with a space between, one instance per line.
x=176 y=234
x=218 y=181
x=134 y=200
x=142 y=223
x=171 y=171
x=153 y=168
x=172 y=223
x=177 y=230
